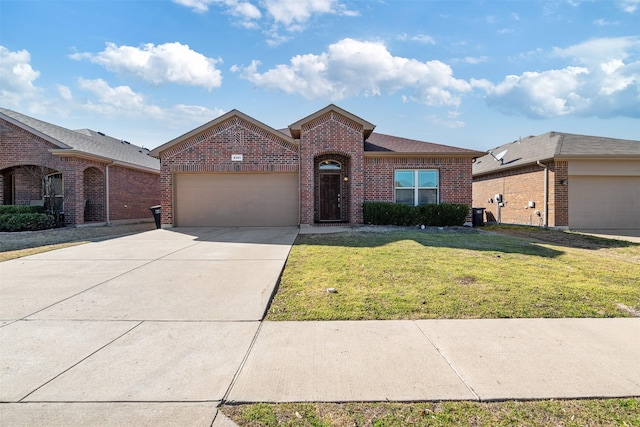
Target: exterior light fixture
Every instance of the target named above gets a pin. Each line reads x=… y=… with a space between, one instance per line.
x=346 y=179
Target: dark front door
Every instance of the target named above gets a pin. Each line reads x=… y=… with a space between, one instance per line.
x=329 y=197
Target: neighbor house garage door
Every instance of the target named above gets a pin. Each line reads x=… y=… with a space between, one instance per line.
x=604 y=202
x=236 y=199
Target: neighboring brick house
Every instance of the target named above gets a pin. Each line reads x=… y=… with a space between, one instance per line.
x=561 y=180
x=95 y=178
x=237 y=171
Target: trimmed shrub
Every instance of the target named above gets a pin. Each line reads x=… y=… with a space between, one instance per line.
x=26 y=221
x=382 y=213
x=444 y=214
x=20 y=209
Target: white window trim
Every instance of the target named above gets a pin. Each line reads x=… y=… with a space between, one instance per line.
x=415 y=188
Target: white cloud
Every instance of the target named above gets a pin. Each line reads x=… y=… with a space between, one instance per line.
x=604 y=23
x=474 y=59
x=351 y=68
x=64 y=92
x=242 y=9
x=292 y=15
x=629 y=6
x=288 y=12
x=122 y=101
x=595 y=51
x=120 y=97
x=16 y=77
x=450 y=121
x=165 y=63
x=603 y=80
x=422 y=38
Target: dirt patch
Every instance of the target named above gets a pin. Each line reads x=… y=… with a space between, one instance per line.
x=33 y=239
x=466 y=280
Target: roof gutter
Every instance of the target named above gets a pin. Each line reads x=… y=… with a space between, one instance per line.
x=472 y=155
x=83 y=155
x=507 y=167
x=546 y=192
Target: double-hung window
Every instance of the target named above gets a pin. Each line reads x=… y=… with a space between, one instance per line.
x=416 y=186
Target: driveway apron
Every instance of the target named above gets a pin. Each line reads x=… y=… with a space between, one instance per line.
x=154 y=326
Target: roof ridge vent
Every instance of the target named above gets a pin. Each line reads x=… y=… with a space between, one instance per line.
x=100 y=133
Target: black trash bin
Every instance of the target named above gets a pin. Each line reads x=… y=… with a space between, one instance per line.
x=155 y=210
x=478 y=217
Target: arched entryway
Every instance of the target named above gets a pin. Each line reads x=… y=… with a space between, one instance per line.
x=332 y=188
x=30 y=185
x=94 y=195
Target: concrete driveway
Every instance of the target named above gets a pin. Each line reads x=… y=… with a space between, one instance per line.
x=161 y=319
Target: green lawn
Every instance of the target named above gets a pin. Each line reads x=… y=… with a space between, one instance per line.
x=463 y=273
x=457 y=274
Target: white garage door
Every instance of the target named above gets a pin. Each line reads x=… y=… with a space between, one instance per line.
x=236 y=199
x=604 y=202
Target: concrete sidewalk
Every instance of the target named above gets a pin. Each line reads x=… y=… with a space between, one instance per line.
x=177 y=373
x=482 y=360
x=161 y=327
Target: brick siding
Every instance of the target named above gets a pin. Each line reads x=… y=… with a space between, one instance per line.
x=132 y=193
x=19 y=148
x=325 y=137
x=559 y=194
x=454 y=174
x=330 y=136
x=518 y=187
x=211 y=151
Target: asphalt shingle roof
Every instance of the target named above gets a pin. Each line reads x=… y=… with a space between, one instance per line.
x=378 y=142
x=555 y=145
x=87 y=141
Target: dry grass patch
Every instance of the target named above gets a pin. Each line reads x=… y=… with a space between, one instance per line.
x=24 y=243
x=4 y=256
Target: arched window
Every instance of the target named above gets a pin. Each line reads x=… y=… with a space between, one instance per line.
x=330 y=165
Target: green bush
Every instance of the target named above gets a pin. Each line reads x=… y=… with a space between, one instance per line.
x=382 y=213
x=26 y=221
x=444 y=214
x=20 y=209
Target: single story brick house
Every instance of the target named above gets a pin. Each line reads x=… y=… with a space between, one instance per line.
x=561 y=180
x=90 y=176
x=237 y=171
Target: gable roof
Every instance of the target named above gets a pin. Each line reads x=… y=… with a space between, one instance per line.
x=555 y=145
x=296 y=127
x=379 y=143
x=84 y=143
x=156 y=152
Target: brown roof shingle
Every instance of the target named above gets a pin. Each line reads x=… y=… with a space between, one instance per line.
x=381 y=143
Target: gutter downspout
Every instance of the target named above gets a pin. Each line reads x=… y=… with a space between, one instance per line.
x=106 y=174
x=546 y=192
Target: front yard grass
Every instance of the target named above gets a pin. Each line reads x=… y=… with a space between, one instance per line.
x=458 y=273
x=569 y=413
